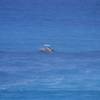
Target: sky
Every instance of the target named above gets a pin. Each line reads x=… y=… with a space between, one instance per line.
x=27 y=20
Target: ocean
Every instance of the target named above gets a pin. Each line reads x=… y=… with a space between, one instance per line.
x=71 y=72
x=56 y=76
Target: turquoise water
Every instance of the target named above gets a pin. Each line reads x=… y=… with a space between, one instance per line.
x=72 y=72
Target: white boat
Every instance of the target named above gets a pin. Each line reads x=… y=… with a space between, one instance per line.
x=46 y=49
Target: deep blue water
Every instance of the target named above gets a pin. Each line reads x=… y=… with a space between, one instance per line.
x=56 y=76
x=72 y=72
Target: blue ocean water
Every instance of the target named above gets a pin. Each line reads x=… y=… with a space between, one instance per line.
x=57 y=76
x=71 y=27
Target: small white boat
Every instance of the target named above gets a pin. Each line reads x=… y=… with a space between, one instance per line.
x=46 y=49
